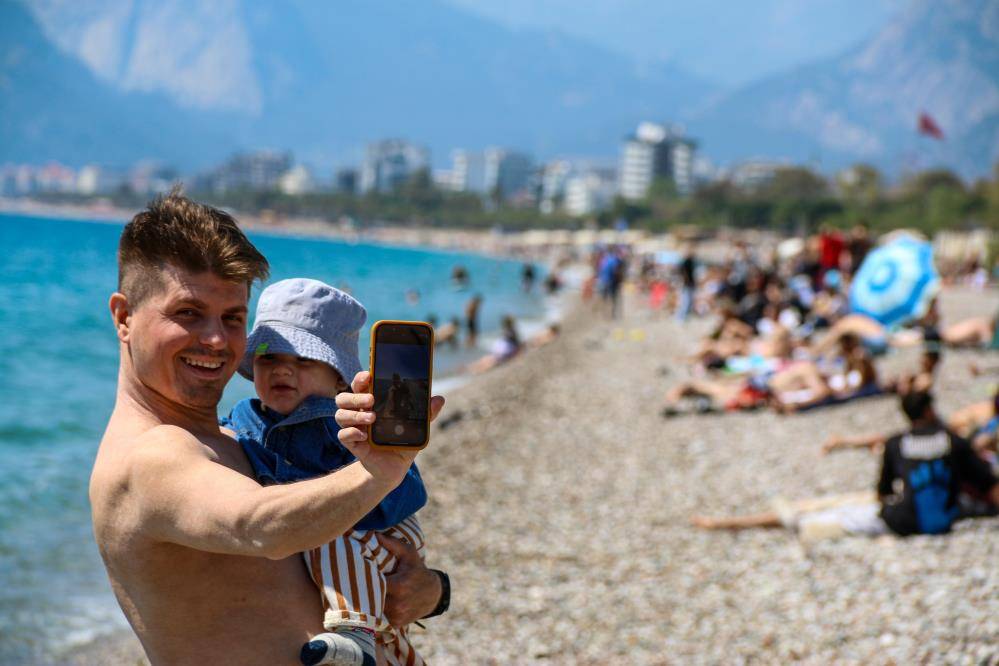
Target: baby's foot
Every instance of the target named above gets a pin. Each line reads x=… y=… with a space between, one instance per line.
x=344 y=647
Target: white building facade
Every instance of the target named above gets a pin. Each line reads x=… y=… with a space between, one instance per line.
x=388 y=164
x=652 y=152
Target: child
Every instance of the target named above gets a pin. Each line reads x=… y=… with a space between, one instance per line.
x=301 y=353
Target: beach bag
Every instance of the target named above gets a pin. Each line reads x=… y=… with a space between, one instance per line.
x=930 y=484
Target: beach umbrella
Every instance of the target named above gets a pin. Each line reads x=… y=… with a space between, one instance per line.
x=896 y=282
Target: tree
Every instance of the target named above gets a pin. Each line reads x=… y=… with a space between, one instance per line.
x=795 y=184
x=925 y=182
x=860 y=185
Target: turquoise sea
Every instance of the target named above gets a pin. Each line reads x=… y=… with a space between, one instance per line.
x=58 y=373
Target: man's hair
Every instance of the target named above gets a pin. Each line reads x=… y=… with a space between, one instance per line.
x=173 y=230
x=915 y=404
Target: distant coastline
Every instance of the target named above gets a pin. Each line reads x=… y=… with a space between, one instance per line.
x=511 y=246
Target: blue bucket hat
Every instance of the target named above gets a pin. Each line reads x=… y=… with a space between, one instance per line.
x=307 y=318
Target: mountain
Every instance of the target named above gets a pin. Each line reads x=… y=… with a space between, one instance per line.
x=189 y=81
x=938 y=56
x=53 y=108
x=325 y=78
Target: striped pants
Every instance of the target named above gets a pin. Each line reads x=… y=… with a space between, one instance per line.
x=350 y=573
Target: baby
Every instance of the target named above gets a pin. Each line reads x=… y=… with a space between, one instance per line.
x=301 y=353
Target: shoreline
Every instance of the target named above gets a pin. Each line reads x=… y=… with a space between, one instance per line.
x=514 y=246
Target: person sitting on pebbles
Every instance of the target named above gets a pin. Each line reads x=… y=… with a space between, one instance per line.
x=922 y=472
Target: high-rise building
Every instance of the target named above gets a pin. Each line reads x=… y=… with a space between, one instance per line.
x=507 y=173
x=345 y=181
x=468 y=171
x=554 y=176
x=261 y=170
x=590 y=191
x=652 y=152
x=389 y=163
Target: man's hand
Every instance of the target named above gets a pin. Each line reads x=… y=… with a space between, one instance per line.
x=354 y=417
x=413 y=590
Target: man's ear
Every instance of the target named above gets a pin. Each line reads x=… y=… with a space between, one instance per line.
x=121 y=315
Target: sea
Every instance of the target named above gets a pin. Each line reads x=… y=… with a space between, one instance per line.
x=58 y=373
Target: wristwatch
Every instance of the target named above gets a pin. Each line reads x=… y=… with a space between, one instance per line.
x=445 y=600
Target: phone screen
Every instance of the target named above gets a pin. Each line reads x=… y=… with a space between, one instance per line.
x=401 y=384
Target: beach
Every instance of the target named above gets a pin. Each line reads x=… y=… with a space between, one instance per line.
x=560 y=501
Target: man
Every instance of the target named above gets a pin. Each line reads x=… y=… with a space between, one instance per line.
x=922 y=473
x=924 y=469
x=688 y=283
x=203 y=560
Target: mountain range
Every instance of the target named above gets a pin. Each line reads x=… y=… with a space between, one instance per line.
x=115 y=81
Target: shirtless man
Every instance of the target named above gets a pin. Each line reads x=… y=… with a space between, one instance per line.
x=204 y=561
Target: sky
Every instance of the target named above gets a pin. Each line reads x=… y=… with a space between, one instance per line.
x=729 y=42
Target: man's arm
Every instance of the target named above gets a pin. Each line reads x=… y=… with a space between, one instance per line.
x=185 y=497
x=871 y=441
x=887 y=478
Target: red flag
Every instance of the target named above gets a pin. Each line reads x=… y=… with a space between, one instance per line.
x=929 y=127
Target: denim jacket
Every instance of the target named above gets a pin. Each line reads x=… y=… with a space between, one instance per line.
x=304 y=445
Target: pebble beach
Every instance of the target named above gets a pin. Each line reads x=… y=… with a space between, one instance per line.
x=560 y=506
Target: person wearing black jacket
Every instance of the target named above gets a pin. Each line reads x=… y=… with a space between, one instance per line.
x=923 y=471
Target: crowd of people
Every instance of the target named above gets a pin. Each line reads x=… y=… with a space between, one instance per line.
x=786 y=339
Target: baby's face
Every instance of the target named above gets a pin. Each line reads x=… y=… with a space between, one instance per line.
x=283 y=381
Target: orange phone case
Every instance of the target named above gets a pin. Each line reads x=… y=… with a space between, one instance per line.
x=430 y=378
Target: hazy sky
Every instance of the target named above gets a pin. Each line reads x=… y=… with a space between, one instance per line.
x=727 y=41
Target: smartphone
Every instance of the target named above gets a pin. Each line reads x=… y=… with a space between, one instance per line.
x=402 y=362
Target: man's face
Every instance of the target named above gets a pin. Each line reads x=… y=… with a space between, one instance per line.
x=283 y=381
x=186 y=339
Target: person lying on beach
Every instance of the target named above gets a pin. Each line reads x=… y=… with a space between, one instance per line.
x=204 y=561
x=447 y=334
x=303 y=344
x=786 y=387
x=803 y=385
x=922 y=472
x=922 y=379
x=978 y=422
x=734 y=343
x=975 y=332
x=505 y=348
x=545 y=337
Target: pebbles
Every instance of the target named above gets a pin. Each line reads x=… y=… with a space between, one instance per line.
x=563 y=521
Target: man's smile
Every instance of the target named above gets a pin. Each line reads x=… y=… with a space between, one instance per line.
x=204 y=366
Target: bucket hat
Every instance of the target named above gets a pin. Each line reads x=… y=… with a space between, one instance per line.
x=307 y=318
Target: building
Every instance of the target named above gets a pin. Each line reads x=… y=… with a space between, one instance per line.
x=297 y=180
x=93 y=179
x=507 y=173
x=54 y=177
x=151 y=178
x=345 y=181
x=468 y=171
x=590 y=191
x=261 y=170
x=554 y=176
x=653 y=152
x=753 y=174
x=388 y=164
